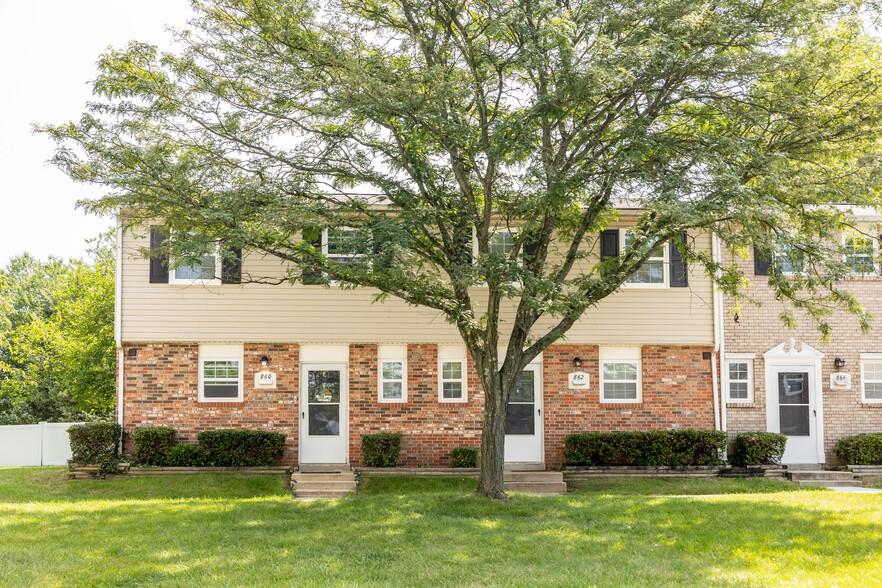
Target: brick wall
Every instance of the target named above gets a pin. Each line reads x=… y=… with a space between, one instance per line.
x=431 y=428
x=759 y=329
x=677 y=394
x=161 y=389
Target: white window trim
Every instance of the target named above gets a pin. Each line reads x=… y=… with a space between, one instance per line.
x=392 y=353
x=874 y=252
x=749 y=362
x=864 y=399
x=215 y=281
x=213 y=352
x=449 y=355
x=666 y=264
x=335 y=257
x=621 y=355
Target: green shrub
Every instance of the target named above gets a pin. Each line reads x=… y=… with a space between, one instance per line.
x=464 y=457
x=381 y=450
x=184 y=455
x=676 y=447
x=863 y=449
x=152 y=444
x=241 y=447
x=94 y=442
x=758 y=448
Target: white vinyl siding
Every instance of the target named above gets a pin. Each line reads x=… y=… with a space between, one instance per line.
x=285 y=313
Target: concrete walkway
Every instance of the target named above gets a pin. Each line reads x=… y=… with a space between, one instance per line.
x=856 y=489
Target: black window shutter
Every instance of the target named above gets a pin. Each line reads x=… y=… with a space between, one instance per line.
x=531 y=243
x=231 y=269
x=760 y=262
x=609 y=244
x=158 y=262
x=679 y=271
x=314 y=238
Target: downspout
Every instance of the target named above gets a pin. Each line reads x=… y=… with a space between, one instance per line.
x=719 y=341
x=117 y=322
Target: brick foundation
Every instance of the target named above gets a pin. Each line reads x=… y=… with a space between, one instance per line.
x=161 y=389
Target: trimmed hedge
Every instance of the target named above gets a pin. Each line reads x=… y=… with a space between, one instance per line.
x=94 y=442
x=153 y=444
x=863 y=449
x=380 y=450
x=758 y=448
x=676 y=447
x=184 y=455
x=241 y=447
x=464 y=457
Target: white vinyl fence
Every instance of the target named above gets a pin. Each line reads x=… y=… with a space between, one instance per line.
x=33 y=445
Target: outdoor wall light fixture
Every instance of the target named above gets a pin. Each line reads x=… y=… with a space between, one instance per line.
x=577 y=362
x=264 y=361
x=839 y=363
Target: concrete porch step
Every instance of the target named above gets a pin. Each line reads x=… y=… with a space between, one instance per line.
x=324 y=468
x=535 y=482
x=323 y=481
x=522 y=466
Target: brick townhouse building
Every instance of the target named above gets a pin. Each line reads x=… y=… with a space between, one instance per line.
x=782 y=380
x=199 y=350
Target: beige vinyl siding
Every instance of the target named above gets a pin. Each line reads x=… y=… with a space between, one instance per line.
x=286 y=313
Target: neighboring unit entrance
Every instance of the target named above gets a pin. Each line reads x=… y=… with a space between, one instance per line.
x=324 y=413
x=794 y=400
x=523 y=423
x=793 y=380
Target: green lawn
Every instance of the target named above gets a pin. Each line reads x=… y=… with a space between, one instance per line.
x=188 y=530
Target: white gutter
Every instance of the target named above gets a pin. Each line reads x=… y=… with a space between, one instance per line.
x=117 y=322
x=719 y=342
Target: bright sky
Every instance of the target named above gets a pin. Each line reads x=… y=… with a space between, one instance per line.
x=49 y=49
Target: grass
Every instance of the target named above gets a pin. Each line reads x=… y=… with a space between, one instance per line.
x=235 y=530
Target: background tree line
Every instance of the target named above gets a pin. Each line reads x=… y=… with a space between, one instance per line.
x=57 y=360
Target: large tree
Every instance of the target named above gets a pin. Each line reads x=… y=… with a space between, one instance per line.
x=426 y=124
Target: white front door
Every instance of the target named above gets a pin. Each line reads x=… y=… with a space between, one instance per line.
x=523 y=422
x=792 y=395
x=324 y=413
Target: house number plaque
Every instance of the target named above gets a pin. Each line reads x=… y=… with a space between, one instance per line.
x=840 y=381
x=579 y=381
x=265 y=380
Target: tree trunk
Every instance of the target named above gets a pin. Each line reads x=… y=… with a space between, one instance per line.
x=490 y=483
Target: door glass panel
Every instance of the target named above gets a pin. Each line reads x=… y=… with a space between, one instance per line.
x=793 y=404
x=520 y=418
x=324 y=419
x=323 y=402
x=793 y=389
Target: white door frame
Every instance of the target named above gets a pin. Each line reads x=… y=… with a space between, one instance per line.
x=787 y=354
x=344 y=407
x=539 y=405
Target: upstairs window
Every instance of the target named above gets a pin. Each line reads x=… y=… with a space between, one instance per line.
x=860 y=252
x=652 y=273
x=202 y=272
x=341 y=245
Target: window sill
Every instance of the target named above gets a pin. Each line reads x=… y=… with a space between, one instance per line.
x=731 y=404
x=866 y=404
x=453 y=401
x=220 y=403
x=606 y=404
x=392 y=402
